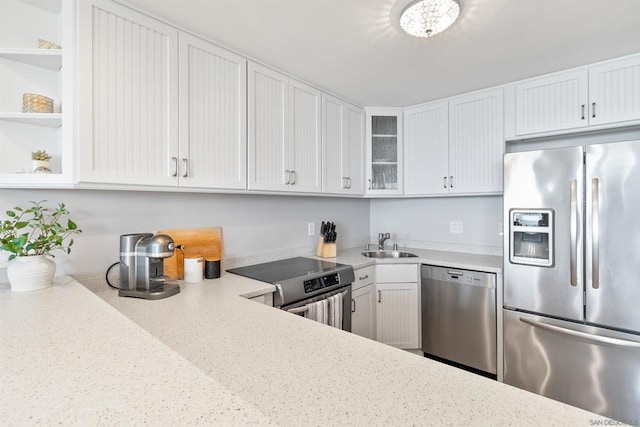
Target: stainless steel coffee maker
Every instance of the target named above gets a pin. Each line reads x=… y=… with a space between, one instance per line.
x=141 y=266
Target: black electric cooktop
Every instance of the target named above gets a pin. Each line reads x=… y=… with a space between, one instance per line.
x=286 y=269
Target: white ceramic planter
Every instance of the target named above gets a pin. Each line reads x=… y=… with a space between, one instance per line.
x=30 y=273
x=41 y=166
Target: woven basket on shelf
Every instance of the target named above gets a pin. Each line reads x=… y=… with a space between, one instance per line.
x=34 y=103
x=46 y=44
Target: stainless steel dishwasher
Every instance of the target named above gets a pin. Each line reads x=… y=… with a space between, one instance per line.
x=459 y=316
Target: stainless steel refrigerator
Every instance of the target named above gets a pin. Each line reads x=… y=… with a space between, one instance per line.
x=572 y=276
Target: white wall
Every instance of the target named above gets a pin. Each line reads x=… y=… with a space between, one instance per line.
x=424 y=223
x=265 y=227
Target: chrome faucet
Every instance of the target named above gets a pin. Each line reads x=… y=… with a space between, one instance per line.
x=381 y=238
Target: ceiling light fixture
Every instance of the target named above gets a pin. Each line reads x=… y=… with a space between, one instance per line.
x=425 y=18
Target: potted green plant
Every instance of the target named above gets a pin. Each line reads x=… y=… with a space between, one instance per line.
x=40 y=160
x=30 y=234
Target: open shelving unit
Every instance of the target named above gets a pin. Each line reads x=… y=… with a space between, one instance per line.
x=25 y=68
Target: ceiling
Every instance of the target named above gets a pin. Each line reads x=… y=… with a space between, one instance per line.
x=355 y=48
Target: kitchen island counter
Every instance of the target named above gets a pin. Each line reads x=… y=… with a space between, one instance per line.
x=213 y=355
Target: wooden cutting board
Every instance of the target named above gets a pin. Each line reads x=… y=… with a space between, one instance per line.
x=204 y=242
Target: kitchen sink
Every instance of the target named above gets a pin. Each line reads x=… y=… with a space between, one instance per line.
x=388 y=254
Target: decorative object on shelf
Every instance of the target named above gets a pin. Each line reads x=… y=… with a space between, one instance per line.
x=40 y=160
x=34 y=103
x=30 y=235
x=46 y=44
x=426 y=18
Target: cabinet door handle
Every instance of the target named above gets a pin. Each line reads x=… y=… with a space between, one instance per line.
x=369 y=183
x=185 y=164
x=593 y=110
x=174 y=160
x=287 y=174
x=451 y=181
x=353 y=306
x=444 y=182
x=379 y=295
x=344 y=183
x=349 y=187
x=582 y=112
x=293 y=179
x=366 y=276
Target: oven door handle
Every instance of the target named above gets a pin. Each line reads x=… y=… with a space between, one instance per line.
x=305 y=308
x=279 y=296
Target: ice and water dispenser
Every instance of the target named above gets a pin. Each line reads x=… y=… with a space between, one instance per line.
x=531 y=236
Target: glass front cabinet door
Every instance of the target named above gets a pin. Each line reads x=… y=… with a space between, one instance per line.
x=384 y=151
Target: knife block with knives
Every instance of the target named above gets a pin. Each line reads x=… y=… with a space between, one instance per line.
x=327 y=240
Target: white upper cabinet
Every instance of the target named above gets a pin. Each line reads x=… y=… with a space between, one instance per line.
x=128 y=90
x=343 y=147
x=284 y=133
x=27 y=68
x=384 y=151
x=589 y=98
x=552 y=103
x=476 y=143
x=213 y=136
x=614 y=91
x=455 y=146
x=305 y=138
x=268 y=107
x=426 y=149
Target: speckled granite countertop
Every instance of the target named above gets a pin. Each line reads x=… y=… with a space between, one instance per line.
x=210 y=356
x=488 y=263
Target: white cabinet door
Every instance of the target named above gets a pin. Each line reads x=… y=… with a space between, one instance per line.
x=426 y=149
x=476 y=143
x=333 y=143
x=552 y=103
x=614 y=91
x=343 y=147
x=128 y=96
x=363 y=315
x=355 y=150
x=213 y=136
x=384 y=151
x=305 y=144
x=397 y=315
x=268 y=128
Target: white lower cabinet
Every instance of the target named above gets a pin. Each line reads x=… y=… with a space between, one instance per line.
x=398 y=306
x=363 y=314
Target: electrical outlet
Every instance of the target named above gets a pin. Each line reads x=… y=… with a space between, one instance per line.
x=456 y=227
x=311 y=229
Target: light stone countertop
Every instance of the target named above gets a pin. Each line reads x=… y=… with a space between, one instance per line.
x=247 y=360
x=488 y=263
x=68 y=358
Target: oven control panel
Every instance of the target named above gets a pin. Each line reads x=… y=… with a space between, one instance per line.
x=321 y=282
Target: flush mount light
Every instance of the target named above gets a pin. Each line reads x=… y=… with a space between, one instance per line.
x=425 y=18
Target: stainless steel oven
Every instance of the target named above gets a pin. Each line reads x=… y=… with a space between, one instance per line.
x=313 y=288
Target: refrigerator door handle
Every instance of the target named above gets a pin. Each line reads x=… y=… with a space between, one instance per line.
x=574 y=233
x=582 y=335
x=595 y=230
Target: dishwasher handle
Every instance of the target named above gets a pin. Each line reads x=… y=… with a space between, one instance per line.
x=457 y=276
